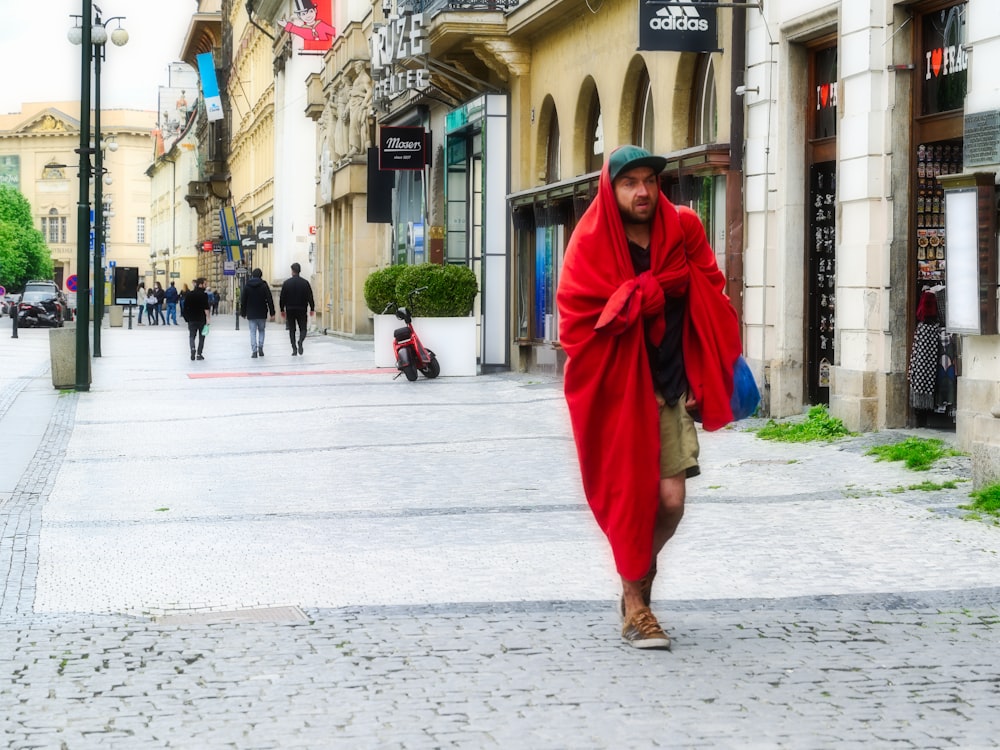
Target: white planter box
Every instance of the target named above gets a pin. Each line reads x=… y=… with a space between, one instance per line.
x=453 y=341
x=384 y=326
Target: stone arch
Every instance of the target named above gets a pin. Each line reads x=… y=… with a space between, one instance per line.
x=680 y=115
x=636 y=77
x=588 y=109
x=548 y=117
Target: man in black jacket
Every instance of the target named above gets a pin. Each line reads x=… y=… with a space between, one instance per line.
x=197 y=313
x=295 y=300
x=257 y=305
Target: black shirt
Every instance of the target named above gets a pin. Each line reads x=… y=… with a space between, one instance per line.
x=196 y=306
x=666 y=361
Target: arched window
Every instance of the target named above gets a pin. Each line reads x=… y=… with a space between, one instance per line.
x=552 y=169
x=706 y=104
x=595 y=135
x=54 y=227
x=644 y=124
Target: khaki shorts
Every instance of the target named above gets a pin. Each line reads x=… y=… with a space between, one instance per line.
x=678 y=441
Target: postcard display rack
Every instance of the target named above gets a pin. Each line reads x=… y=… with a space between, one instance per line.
x=933 y=160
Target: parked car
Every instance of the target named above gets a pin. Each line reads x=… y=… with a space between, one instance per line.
x=40 y=307
x=8 y=304
x=45 y=285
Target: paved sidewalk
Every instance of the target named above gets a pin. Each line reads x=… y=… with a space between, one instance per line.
x=302 y=552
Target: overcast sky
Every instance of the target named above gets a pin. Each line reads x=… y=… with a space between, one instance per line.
x=40 y=64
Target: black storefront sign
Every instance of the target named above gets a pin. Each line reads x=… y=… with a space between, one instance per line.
x=945 y=63
x=677 y=27
x=402 y=148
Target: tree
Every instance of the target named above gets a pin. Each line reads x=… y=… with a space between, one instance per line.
x=23 y=252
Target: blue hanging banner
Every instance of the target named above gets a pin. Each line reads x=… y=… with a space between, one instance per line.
x=209 y=87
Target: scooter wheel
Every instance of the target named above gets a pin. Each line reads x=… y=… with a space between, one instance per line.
x=433 y=368
x=410 y=371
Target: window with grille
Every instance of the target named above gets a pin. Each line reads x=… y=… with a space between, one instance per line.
x=140 y=229
x=54 y=228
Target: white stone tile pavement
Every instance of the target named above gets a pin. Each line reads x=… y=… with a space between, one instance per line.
x=318 y=482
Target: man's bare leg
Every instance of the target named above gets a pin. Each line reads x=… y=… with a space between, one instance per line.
x=673 y=491
x=668 y=518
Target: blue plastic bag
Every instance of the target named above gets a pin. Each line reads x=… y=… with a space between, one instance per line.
x=746 y=396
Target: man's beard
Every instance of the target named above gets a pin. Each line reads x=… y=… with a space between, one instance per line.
x=629 y=216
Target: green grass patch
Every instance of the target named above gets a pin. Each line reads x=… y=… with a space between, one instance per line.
x=986 y=500
x=818 y=426
x=934 y=486
x=917 y=453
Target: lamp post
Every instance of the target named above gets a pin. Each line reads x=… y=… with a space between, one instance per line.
x=81 y=35
x=94 y=50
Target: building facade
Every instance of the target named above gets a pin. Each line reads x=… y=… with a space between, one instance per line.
x=592 y=79
x=174 y=222
x=868 y=125
x=208 y=188
x=37 y=156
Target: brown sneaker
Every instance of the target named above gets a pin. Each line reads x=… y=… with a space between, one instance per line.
x=642 y=630
x=646 y=584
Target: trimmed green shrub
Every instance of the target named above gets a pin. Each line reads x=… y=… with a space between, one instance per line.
x=380 y=288
x=450 y=291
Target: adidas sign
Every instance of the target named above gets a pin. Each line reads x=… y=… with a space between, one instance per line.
x=677 y=19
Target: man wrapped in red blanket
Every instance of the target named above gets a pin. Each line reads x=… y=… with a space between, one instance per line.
x=651 y=340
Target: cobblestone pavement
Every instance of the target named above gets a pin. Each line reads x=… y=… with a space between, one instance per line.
x=306 y=553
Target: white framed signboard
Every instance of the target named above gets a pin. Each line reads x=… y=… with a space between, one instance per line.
x=962 y=272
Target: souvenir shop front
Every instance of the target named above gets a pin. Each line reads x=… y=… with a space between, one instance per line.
x=939 y=89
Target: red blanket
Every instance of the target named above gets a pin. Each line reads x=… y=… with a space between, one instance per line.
x=605 y=314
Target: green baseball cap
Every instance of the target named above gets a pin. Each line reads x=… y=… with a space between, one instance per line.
x=625 y=158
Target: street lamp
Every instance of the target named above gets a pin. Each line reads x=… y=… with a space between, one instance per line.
x=81 y=35
x=96 y=46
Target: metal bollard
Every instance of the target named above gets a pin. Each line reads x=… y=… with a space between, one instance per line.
x=13 y=326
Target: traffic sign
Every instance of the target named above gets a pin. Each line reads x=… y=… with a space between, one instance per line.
x=71 y=283
x=2 y=291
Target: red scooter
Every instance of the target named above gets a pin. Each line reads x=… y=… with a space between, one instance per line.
x=411 y=355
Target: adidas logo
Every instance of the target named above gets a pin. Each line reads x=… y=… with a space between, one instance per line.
x=674 y=18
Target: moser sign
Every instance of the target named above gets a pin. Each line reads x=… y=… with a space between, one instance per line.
x=402 y=148
x=677 y=26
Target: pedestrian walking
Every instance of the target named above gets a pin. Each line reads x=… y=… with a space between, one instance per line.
x=295 y=301
x=161 y=297
x=172 y=296
x=151 y=317
x=257 y=305
x=140 y=301
x=198 y=314
x=652 y=341
x=183 y=293
x=213 y=300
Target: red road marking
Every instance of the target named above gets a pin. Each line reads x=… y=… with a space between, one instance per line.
x=270 y=374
